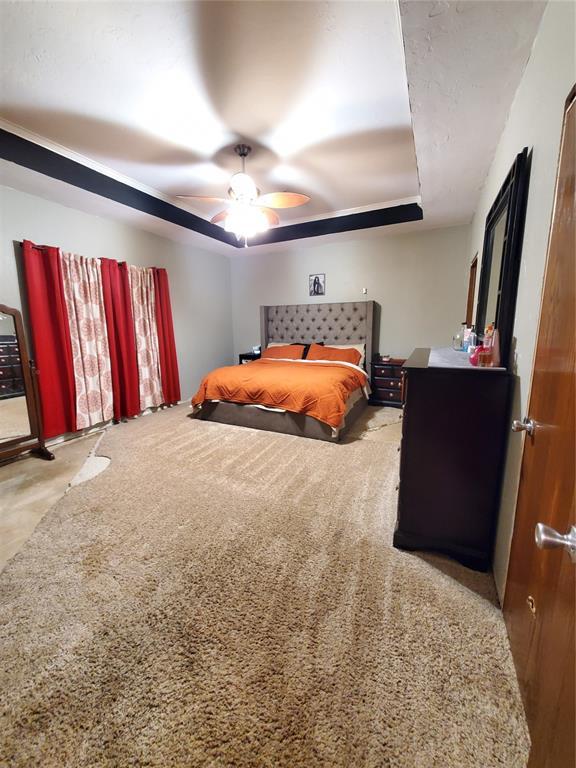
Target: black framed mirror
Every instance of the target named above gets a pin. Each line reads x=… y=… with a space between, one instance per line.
x=20 y=418
x=501 y=255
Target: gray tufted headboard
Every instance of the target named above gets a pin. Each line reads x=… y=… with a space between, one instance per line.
x=350 y=322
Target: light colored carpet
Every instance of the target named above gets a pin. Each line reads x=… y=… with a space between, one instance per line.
x=228 y=597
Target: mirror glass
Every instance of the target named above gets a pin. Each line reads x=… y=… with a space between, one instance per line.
x=14 y=421
x=495 y=283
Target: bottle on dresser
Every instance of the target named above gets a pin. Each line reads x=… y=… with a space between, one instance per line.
x=488 y=354
x=469 y=339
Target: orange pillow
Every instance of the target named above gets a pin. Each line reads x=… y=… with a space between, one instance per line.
x=287 y=351
x=348 y=355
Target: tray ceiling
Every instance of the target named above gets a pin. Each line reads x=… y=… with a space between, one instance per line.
x=160 y=92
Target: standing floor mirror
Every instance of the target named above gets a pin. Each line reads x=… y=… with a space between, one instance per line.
x=20 y=418
x=501 y=255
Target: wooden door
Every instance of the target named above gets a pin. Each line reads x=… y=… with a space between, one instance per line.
x=540 y=593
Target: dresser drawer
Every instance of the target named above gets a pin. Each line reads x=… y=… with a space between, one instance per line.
x=11 y=388
x=10 y=372
x=387 y=394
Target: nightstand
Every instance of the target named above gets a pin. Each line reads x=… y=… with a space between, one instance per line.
x=247 y=357
x=386 y=382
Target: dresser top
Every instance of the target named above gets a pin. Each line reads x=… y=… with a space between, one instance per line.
x=445 y=357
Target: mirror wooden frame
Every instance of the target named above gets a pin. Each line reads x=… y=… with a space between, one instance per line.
x=510 y=201
x=32 y=442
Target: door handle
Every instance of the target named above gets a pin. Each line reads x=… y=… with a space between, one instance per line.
x=527 y=425
x=549 y=538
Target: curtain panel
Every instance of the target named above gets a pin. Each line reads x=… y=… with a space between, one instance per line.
x=145 y=328
x=89 y=337
x=103 y=337
x=121 y=338
x=166 y=344
x=50 y=333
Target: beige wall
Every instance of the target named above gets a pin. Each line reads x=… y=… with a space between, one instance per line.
x=420 y=281
x=535 y=121
x=199 y=281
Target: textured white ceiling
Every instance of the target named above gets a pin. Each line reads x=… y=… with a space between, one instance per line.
x=464 y=62
x=160 y=92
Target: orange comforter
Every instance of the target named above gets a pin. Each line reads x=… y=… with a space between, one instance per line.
x=315 y=388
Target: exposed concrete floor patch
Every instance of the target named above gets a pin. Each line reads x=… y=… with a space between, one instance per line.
x=29 y=487
x=92 y=467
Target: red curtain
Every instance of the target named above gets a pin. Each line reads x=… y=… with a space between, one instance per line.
x=51 y=338
x=166 y=344
x=121 y=338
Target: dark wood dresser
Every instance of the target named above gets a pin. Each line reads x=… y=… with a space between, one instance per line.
x=454 y=435
x=386 y=382
x=11 y=377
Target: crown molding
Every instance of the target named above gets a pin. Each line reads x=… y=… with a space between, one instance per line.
x=31 y=151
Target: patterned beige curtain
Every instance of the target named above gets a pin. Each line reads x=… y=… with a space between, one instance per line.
x=144 y=311
x=90 y=351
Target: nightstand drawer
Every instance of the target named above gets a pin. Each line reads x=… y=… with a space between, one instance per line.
x=387 y=394
x=386 y=371
x=387 y=383
x=248 y=357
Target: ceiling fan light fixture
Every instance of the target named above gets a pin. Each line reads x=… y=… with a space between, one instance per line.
x=245 y=221
x=250 y=213
x=243 y=187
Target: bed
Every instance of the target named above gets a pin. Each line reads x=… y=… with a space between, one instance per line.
x=225 y=395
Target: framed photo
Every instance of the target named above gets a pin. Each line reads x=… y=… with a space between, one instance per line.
x=317 y=285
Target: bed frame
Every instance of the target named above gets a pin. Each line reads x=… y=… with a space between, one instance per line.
x=351 y=322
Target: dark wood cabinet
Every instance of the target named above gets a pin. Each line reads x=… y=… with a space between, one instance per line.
x=386 y=382
x=11 y=376
x=454 y=435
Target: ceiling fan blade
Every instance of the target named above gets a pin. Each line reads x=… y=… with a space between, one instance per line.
x=271 y=216
x=219 y=217
x=282 y=199
x=205 y=198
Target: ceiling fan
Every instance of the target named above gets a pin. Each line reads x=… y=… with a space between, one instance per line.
x=249 y=213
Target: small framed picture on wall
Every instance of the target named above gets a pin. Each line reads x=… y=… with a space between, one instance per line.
x=317 y=285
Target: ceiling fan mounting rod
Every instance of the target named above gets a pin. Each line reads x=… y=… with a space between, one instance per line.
x=243 y=150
